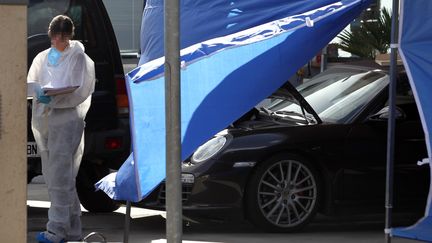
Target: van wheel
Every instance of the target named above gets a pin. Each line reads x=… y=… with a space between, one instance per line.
x=30 y=176
x=94 y=201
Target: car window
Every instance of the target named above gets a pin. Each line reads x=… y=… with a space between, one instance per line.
x=338 y=100
x=312 y=85
x=337 y=96
x=308 y=88
x=404 y=92
x=405 y=98
x=348 y=99
x=41 y=12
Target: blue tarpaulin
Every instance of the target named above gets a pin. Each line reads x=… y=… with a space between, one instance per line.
x=415 y=46
x=234 y=54
x=202 y=20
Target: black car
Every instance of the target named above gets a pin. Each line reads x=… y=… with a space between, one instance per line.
x=107 y=136
x=320 y=147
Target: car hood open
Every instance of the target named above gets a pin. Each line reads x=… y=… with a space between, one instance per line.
x=290 y=93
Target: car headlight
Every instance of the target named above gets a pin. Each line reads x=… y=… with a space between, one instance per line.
x=210 y=148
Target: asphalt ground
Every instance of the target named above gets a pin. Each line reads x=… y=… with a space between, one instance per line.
x=148 y=226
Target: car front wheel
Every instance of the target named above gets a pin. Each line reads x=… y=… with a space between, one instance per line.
x=283 y=194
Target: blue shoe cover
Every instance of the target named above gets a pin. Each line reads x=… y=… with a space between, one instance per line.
x=41 y=238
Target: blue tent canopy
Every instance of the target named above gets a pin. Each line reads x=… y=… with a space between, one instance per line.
x=415 y=46
x=258 y=46
x=234 y=55
x=203 y=20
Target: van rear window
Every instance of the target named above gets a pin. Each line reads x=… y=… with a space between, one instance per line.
x=41 y=12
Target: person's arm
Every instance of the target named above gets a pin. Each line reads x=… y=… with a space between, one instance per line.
x=33 y=75
x=83 y=74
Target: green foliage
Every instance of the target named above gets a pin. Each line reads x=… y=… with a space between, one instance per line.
x=370 y=38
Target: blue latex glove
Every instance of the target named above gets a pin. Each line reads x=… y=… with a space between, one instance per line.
x=41 y=97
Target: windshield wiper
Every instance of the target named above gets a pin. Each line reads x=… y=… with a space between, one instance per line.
x=287 y=113
x=265 y=110
x=306 y=117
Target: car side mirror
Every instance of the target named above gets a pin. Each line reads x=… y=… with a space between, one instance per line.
x=383 y=114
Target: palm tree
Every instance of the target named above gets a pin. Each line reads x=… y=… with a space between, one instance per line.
x=370 y=38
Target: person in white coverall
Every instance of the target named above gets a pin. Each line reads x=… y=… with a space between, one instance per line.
x=58 y=125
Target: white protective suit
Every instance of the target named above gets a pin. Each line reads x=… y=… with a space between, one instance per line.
x=58 y=128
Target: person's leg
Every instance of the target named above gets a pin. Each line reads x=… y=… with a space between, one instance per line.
x=63 y=141
x=65 y=212
x=40 y=132
x=47 y=236
x=75 y=231
x=59 y=179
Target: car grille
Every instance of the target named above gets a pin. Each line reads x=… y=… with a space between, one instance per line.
x=186 y=192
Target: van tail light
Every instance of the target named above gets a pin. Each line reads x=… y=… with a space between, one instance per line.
x=113 y=143
x=121 y=96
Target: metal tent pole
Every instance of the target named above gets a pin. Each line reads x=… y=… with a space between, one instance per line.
x=172 y=122
x=127 y=223
x=391 y=120
x=324 y=55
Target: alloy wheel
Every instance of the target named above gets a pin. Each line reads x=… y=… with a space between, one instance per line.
x=287 y=193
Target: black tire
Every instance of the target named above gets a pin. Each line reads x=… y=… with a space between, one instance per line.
x=93 y=201
x=276 y=202
x=30 y=176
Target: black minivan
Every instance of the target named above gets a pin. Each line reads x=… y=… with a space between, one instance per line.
x=107 y=136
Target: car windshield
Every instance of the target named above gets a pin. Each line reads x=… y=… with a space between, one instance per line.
x=336 y=96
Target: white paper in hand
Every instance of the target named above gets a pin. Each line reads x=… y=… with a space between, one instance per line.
x=59 y=91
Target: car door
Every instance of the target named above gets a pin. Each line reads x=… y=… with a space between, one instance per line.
x=411 y=180
x=366 y=155
x=92 y=29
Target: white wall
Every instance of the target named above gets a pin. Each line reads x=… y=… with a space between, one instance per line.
x=13 y=122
